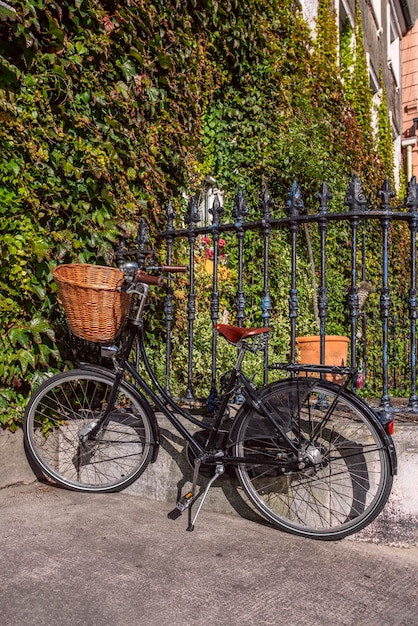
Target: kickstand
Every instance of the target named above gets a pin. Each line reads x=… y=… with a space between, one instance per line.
x=220 y=469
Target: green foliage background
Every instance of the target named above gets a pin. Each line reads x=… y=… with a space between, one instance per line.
x=110 y=109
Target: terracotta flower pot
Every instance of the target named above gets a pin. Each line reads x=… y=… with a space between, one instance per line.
x=336 y=350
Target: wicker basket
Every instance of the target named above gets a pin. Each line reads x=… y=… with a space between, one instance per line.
x=94 y=307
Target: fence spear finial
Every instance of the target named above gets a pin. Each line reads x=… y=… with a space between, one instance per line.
x=216 y=211
x=411 y=200
x=294 y=205
x=171 y=216
x=385 y=194
x=323 y=196
x=240 y=209
x=355 y=198
x=192 y=215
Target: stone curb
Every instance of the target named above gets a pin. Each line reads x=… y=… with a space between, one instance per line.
x=14 y=467
x=397 y=525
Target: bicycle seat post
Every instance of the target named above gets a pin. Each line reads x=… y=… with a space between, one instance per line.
x=240 y=357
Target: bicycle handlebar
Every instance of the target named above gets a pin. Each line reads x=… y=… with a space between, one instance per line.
x=143 y=277
x=149 y=280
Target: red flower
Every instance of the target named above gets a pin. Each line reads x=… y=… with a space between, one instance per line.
x=221 y=243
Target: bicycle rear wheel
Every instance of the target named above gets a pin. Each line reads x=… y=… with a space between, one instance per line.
x=63 y=408
x=343 y=478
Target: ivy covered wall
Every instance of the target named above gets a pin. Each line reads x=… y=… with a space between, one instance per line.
x=108 y=110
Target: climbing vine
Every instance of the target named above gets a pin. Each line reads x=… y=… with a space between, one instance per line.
x=385 y=137
x=327 y=35
x=109 y=109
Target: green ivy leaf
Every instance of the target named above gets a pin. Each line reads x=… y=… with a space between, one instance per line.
x=18 y=335
x=128 y=69
x=26 y=359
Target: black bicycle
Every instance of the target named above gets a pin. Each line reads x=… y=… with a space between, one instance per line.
x=310 y=456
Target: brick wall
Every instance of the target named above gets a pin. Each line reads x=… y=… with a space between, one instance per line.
x=410 y=95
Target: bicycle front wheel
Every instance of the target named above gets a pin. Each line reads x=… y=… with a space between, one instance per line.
x=64 y=408
x=341 y=477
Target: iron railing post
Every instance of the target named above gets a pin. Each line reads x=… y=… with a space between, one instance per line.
x=239 y=212
x=265 y=205
x=412 y=203
x=192 y=218
x=142 y=242
x=324 y=196
x=385 y=194
x=169 y=301
x=294 y=206
x=355 y=200
x=216 y=212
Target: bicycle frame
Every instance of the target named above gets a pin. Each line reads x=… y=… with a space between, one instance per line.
x=169 y=407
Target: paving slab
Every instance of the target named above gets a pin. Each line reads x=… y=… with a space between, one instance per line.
x=72 y=559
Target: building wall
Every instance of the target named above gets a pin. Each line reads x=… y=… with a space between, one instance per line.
x=410 y=100
x=310 y=11
x=385 y=23
x=383 y=56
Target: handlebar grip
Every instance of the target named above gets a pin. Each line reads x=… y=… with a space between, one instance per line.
x=174 y=268
x=149 y=280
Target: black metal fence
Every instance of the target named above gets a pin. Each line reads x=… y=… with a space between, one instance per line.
x=391 y=365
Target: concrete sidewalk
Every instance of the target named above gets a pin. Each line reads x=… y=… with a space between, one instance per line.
x=73 y=559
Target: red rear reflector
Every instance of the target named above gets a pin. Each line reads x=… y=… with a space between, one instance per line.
x=361 y=380
x=390 y=428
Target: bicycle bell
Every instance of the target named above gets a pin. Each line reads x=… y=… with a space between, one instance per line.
x=129 y=269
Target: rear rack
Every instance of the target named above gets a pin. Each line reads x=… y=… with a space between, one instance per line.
x=340 y=375
x=298 y=368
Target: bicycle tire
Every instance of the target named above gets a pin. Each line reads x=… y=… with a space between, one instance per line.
x=352 y=479
x=67 y=402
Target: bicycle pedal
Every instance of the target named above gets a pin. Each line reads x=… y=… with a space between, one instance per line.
x=184 y=502
x=174 y=514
